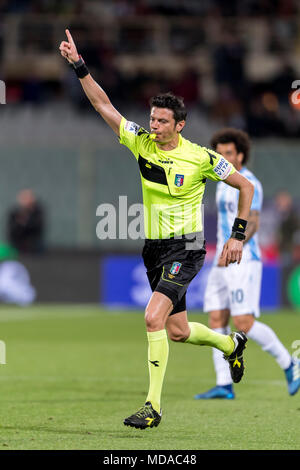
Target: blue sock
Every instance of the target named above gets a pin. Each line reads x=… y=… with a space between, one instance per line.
x=227 y=387
x=289 y=372
x=289 y=367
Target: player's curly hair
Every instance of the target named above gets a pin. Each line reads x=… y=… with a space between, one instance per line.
x=170 y=101
x=236 y=136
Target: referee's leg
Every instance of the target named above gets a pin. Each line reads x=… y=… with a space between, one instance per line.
x=156 y=314
x=180 y=329
x=157 y=311
x=158 y=320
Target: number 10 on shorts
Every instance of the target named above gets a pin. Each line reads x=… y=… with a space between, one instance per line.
x=237 y=296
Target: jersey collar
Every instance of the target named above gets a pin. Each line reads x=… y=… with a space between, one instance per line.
x=176 y=149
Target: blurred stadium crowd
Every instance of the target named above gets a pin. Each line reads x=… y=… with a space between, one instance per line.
x=233 y=62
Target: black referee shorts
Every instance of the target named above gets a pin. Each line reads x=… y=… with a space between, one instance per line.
x=171 y=268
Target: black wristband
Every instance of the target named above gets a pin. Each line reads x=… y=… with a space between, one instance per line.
x=79 y=62
x=80 y=68
x=239 y=225
x=238 y=235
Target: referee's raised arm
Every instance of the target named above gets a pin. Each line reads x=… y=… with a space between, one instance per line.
x=93 y=91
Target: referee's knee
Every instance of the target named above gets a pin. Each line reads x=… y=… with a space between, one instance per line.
x=153 y=321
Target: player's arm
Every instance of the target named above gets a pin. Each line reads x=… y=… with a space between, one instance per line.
x=252 y=228
x=246 y=189
x=252 y=225
x=93 y=91
x=233 y=248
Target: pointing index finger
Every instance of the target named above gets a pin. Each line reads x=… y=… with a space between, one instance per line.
x=70 y=39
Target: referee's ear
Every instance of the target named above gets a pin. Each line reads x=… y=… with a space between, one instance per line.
x=179 y=126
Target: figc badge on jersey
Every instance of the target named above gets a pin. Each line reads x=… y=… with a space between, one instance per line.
x=179 y=180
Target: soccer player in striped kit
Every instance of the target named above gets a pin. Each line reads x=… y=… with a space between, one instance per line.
x=235 y=290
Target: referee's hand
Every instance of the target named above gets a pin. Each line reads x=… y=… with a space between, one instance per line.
x=232 y=251
x=68 y=49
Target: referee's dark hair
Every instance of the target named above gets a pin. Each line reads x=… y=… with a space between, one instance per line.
x=170 y=101
x=236 y=136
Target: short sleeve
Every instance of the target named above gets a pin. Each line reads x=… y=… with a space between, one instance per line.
x=257 y=196
x=130 y=135
x=215 y=167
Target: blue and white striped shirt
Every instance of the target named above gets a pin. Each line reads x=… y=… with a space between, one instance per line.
x=227 y=204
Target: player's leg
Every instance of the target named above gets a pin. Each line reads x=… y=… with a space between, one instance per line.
x=178 y=271
x=216 y=304
x=181 y=330
x=160 y=314
x=244 y=311
x=178 y=327
x=263 y=335
x=156 y=314
x=219 y=322
x=169 y=283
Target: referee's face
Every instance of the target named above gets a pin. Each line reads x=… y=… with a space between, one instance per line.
x=162 y=124
x=229 y=152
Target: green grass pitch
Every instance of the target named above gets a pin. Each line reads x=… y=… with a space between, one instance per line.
x=73 y=373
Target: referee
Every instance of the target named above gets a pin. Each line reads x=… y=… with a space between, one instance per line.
x=173 y=174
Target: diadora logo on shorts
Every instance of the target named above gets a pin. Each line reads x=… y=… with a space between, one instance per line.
x=175 y=268
x=179 y=180
x=223 y=168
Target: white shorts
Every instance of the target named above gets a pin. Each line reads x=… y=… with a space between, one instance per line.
x=236 y=287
